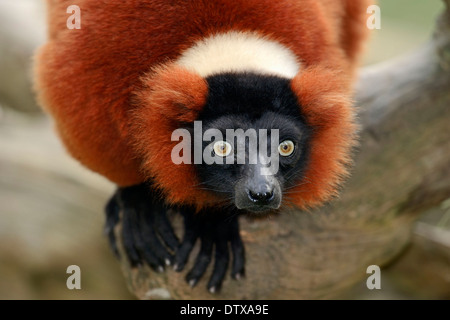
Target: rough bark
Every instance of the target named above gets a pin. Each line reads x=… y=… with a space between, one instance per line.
x=402 y=169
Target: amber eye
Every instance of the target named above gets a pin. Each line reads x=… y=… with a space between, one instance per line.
x=286 y=148
x=222 y=148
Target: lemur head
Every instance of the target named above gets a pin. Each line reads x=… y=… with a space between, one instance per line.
x=261 y=145
x=310 y=114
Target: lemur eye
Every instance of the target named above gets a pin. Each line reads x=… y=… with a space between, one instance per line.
x=222 y=148
x=286 y=148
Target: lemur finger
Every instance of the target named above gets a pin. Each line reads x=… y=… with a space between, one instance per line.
x=150 y=238
x=165 y=229
x=221 y=260
x=145 y=250
x=128 y=231
x=191 y=233
x=112 y=210
x=184 y=250
x=203 y=258
x=237 y=250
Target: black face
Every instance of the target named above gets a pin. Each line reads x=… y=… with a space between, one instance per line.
x=264 y=145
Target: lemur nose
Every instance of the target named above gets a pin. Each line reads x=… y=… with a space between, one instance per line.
x=261 y=198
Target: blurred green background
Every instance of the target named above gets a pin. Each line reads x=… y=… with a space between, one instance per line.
x=51 y=209
x=405 y=24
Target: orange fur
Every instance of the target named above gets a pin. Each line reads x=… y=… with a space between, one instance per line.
x=87 y=80
x=328 y=109
x=173 y=96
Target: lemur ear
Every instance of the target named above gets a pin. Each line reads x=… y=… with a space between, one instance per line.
x=174 y=92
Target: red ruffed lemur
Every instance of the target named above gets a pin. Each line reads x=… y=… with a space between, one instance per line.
x=137 y=71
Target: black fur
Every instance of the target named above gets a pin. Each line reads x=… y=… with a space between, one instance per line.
x=249 y=96
x=246 y=100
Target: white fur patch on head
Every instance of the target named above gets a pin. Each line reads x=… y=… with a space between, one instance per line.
x=240 y=52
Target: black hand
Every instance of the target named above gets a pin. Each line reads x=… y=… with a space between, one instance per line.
x=148 y=236
x=144 y=224
x=218 y=230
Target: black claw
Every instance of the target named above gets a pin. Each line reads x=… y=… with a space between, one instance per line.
x=145 y=251
x=203 y=260
x=165 y=230
x=192 y=282
x=213 y=289
x=191 y=233
x=221 y=260
x=183 y=252
x=150 y=240
x=128 y=239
